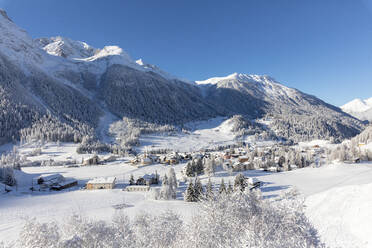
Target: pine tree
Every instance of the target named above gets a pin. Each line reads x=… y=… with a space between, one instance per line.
x=172 y=182
x=230 y=188
x=209 y=190
x=209 y=166
x=190 y=193
x=190 y=169
x=222 y=189
x=199 y=168
x=165 y=191
x=198 y=189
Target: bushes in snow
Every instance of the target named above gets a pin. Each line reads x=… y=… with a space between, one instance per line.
x=228 y=220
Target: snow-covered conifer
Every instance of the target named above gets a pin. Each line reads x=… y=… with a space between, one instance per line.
x=209 y=189
x=222 y=189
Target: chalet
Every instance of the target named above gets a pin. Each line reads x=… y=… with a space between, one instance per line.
x=91 y=161
x=101 y=183
x=146 y=161
x=147 y=179
x=243 y=159
x=141 y=160
x=226 y=156
x=172 y=158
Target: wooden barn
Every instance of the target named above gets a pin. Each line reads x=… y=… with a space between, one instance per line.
x=64 y=185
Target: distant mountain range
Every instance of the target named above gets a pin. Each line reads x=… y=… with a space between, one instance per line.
x=58 y=88
x=361 y=109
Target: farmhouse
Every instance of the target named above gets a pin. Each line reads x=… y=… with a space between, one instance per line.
x=101 y=183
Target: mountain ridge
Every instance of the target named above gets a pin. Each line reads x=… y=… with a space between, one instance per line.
x=73 y=85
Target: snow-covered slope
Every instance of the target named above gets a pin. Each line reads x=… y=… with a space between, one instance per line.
x=67 y=48
x=292 y=110
x=77 y=83
x=361 y=109
x=260 y=85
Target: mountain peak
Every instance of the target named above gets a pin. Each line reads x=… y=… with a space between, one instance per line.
x=357 y=105
x=242 y=77
x=66 y=48
x=5 y=15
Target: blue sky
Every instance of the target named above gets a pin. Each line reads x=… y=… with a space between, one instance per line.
x=322 y=47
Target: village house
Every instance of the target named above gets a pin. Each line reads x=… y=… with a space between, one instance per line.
x=142 y=160
x=52 y=182
x=147 y=179
x=91 y=161
x=101 y=183
x=243 y=159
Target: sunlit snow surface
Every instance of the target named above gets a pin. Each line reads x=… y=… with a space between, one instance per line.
x=338 y=198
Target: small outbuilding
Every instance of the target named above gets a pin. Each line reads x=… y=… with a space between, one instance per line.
x=137 y=188
x=101 y=183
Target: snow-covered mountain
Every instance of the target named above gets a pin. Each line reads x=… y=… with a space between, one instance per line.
x=295 y=115
x=58 y=88
x=361 y=109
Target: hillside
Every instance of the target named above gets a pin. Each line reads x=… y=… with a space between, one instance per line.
x=294 y=114
x=59 y=89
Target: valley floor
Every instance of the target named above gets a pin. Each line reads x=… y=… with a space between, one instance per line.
x=337 y=196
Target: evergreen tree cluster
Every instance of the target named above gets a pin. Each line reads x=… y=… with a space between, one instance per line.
x=194 y=167
x=324 y=126
x=168 y=190
x=195 y=191
x=51 y=129
x=128 y=130
x=8 y=163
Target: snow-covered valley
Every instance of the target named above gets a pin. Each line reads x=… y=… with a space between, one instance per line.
x=101 y=150
x=337 y=196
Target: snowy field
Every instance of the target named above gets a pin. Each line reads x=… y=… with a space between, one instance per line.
x=337 y=197
x=204 y=134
